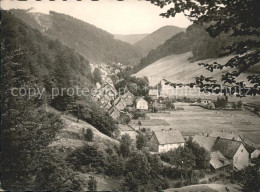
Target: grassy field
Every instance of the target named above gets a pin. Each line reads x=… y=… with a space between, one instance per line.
x=194 y=120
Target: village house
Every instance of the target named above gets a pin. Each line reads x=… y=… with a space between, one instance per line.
x=119 y=103
x=230 y=105
x=107 y=106
x=158 y=106
x=108 y=86
x=129 y=98
x=141 y=103
x=153 y=93
x=105 y=99
x=226 y=135
x=232 y=150
x=166 y=140
x=206 y=101
x=114 y=112
x=114 y=78
x=117 y=71
x=218 y=161
x=253 y=152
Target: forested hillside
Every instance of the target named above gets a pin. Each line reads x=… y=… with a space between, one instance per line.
x=195 y=39
x=93 y=43
x=32 y=66
x=157 y=38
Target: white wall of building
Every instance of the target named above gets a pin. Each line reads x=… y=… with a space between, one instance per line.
x=241 y=158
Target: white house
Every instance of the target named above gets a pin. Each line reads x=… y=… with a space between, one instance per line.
x=232 y=150
x=206 y=101
x=166 y=140
x=141 y=103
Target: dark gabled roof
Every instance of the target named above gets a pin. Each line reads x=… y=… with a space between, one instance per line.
x=226 y=135
x=169 y=137
x=227 y=147
x=114 y=109
x=119 y=99
x=218 y=160
x=250 y=148
x=204 y=141
x=107 y=104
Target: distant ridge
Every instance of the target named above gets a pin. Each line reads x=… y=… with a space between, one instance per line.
x=132 y=38
x=157 y=38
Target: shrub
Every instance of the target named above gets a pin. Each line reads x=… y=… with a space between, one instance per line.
x=178 y=184
x=88 y=134
x=87 y=158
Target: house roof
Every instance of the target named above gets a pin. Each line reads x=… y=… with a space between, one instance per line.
x=110 y=87
x=139 y=99
x=227 y=147
x=128 y=93
x=169 y=137
x=106 y=105
x=250 y=148
x=119 y=99
x=204 y=141
x=226 y=135
x=114 y=109
x=218 y=160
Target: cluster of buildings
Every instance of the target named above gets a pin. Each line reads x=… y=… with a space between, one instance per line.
x=115 y=103
x=226 y=149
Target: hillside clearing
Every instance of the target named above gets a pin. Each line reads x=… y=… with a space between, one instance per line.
x=178 y=68
x=71 y=135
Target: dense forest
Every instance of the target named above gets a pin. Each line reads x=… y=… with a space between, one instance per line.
x=195 y=39
x=93 y=43
x=35 y=65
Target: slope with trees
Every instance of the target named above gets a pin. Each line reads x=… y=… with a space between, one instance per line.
x=236 y=19
x=195 y=40
x=93 y=43
x=30 y=62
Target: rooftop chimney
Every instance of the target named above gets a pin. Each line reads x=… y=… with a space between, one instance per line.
x=222 y=130
x=162 y=129
x=170 y=129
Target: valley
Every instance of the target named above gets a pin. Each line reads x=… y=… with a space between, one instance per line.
x=141 y=121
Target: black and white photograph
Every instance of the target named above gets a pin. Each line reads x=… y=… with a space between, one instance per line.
x=130 y=95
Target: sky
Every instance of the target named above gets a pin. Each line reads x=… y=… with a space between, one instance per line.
x=116 y=17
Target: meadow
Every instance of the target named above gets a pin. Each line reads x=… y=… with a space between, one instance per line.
x=196 y=120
